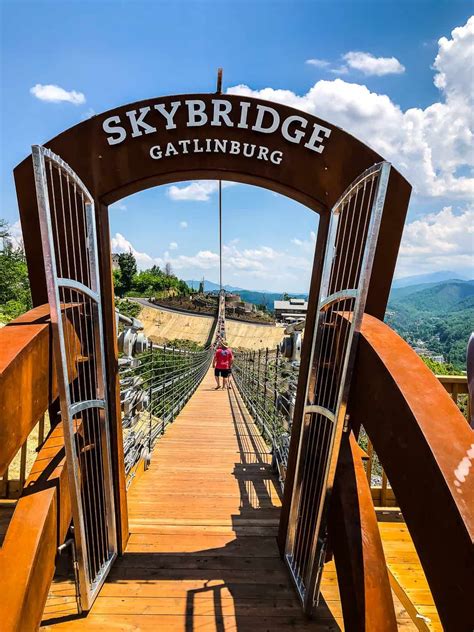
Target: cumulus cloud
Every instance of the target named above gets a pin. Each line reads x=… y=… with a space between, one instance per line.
x=199 y=191
x=317 y=63
x=56 y=94
x=16 y=235
x=438 y=241
x=371 y=65
x=173 y=245
x=118 y=206
x=432 y=147
x=263 y=266
x=120 y=244
x=183 y=224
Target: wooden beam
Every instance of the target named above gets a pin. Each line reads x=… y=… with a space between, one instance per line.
x=362 y=574
x=39 y=524
x=425 y=446
x=27 y=385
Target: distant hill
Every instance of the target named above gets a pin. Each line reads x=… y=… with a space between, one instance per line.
x=439 y=316
x=249 y=296
x=209 y=286
x=431 y=277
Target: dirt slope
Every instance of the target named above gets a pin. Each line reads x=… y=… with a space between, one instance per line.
x=161 y=326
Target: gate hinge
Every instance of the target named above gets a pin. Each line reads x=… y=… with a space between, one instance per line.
x=345 y=427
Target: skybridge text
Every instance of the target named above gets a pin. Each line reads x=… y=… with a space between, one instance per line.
x=218 y=112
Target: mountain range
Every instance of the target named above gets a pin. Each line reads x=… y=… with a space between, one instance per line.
x=435 y=311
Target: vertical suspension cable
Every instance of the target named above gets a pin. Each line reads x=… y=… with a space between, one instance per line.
x=220 y=234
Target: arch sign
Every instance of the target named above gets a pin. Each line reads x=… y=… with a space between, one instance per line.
x=362 y=203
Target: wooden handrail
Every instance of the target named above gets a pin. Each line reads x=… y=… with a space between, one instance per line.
x=43 y=513
x=425 y=446
x=27 y=383
x=38 y=525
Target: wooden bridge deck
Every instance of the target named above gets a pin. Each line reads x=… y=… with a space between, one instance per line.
x=202 y=554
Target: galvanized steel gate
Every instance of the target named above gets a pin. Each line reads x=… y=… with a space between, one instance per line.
x=353 y=233
x=68 y=233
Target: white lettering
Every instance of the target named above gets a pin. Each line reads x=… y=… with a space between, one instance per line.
x=246 y=154
x=171 y=150
x=220 y=145
x=244 y=109
x=297 y=134
x=197 y=148
x=221 y=111
x=208 y=144
x=109 y=128
x=184 y=145
x=276 y=157
x=137 y=122
x=234 y=147
x=196 y=114
x=316 y=138
x=155 y=152
x=262 y=110
x=169 y=116
x=262 y=153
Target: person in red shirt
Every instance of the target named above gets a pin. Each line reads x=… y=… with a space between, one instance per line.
x=222 y=364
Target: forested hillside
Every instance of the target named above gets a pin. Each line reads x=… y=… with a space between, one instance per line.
x=440 y=317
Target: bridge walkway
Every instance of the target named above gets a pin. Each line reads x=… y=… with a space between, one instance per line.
x=202 y=553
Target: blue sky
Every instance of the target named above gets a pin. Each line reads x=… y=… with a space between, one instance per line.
x=370 y=67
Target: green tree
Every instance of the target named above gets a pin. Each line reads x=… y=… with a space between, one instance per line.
x=15 y=295
x=128 y=270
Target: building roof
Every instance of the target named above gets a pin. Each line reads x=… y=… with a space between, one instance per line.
x=294 y=303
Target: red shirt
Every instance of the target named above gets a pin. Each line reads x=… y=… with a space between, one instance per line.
x=224 y=358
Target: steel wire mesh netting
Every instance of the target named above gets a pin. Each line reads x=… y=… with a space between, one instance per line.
x=267 y=383
x=155 y=386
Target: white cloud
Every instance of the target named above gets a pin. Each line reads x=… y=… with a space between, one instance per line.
x=173 y=245
x=56 y=94
x=119 y=244
x=318 y=63
x=370 y=65
x=89 y=113
x=438 y=241
x=340 y=70
x=183 y=224
x=429 y=146
x=199 y=191
x=16 y=235
x=118 y=206
x=252 y=267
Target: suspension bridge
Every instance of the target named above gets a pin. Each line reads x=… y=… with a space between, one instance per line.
x=156 y=502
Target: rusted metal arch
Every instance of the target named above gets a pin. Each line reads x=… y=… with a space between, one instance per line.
x=111 y=172
x=426 y=447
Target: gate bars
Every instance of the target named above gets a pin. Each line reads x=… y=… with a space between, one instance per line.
x=68 y=234
x=353 y=233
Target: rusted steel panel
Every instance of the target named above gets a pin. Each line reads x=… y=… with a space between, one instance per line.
x=426 y=449
x=39 y=524
x=363 y=580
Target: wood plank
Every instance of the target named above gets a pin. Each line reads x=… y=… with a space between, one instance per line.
x=202 y=553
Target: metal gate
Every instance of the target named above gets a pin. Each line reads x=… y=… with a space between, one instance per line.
x=68 y=233
x=352 y=239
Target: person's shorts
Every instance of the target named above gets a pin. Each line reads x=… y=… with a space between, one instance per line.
x=222 y=372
